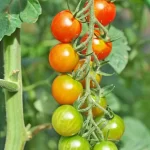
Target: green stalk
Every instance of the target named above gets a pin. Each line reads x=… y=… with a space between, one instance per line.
x=16 y=131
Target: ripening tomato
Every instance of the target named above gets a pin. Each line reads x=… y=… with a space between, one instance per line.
x=66 y=90
x=63 y=58
x=73 y=143
x=66 y=120
x=105 y=11
x=105 y=145
x=65 y=27
x=114 y=128
x=95 y=110
x=102 y=102
x=101 y=48
x=98 y=77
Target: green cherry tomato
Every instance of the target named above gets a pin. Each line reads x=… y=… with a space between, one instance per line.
x=105 y=145
x=114 y=128
x=73 y=143
x=66 y=120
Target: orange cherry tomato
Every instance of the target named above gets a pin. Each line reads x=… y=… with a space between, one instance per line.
x=66 y=90
x=95 y=110
x=63 y=58
x=101 y=48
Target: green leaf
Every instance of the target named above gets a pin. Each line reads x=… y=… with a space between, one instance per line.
x=31 y=12
x=141 y=111
x=14 y=22
x=147 y=2
x=4 y=25
x=113 y=102
x=4 y=4
x=136 y=136
x=14 y=12
x=45 y=104
x=118 y=58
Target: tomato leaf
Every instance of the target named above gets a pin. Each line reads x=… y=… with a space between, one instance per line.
x=113 y=102
x=33 y=7
x=136 y=136
x=45 y=103
x=118 y=58
x=13 y=13
x=143 y=106
x=147 y=2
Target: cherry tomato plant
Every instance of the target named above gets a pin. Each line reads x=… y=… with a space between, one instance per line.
x=86 y=52
x=81 y=62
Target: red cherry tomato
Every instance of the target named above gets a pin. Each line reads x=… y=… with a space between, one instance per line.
x=65 y=27
x=66 y=90
x=101 y=48
x=105 y=11
x=66 y=120
x=63 y=58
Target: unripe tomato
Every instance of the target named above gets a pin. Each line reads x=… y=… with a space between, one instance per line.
x=63 y=58
x=66 y=120
x=65 y=27
x=105 y=145
x=98 y=77
x=114 y=128
x=101 y=48
x=95 y=110
x=105 y=11
x=66 y=90
x=73 y=143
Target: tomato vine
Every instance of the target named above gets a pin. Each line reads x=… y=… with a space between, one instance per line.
x=92 y=58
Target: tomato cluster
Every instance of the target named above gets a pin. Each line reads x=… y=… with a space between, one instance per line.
x=83 y=119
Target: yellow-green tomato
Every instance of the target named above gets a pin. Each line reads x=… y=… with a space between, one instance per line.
x=73 y=143
x=105 y=145
x=114 y=128
x=66 y=120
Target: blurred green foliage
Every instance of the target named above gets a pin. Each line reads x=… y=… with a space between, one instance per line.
x=131 y=97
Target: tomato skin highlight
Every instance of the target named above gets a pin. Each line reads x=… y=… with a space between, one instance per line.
x=66 y=120
x=114 y=126
x=63 y=58
x=65 y=27
x=105 y=145
x=73 y=143
x=101 y=48
x=66 y=90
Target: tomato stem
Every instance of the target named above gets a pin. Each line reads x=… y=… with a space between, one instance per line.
x=85 y=9
x=16 y=131
x=77 y=8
